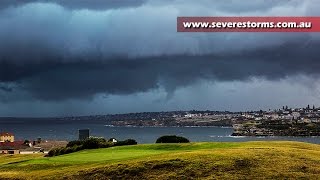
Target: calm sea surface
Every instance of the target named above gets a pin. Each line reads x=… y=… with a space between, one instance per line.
x=69 y=131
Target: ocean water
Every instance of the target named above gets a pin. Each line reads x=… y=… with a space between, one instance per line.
x=69 y=131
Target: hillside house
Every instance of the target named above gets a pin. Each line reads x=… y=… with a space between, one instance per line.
x=6 y=137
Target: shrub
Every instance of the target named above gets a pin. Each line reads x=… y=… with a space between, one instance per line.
x=126 y=142
x=26 y=141
x=93 y=143
x=69 y=150
x=63 y=150
x=74 y=143
x=52 y=152
x=106 y=145
x=172 y=139
x=78 y=148
x=90 y=143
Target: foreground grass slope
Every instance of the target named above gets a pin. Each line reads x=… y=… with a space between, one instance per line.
x=171 y=161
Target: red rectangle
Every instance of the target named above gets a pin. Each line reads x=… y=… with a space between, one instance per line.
x=248 y=24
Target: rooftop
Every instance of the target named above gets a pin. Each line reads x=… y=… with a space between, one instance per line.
x=6 y=134
x=12 y=145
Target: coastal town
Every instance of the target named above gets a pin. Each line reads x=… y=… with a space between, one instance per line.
x=279 y=122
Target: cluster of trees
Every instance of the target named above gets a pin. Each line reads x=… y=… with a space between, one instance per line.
x=172 y=139
x=90 y=143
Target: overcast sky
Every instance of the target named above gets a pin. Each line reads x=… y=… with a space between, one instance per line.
x=81 y=57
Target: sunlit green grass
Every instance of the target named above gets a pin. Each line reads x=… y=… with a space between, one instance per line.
x=170 y=161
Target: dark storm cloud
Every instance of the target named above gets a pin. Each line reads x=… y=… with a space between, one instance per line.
x=53 y=53
x=77 y=4
x=123 y=76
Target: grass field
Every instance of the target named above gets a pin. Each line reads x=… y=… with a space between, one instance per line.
x=247 y=160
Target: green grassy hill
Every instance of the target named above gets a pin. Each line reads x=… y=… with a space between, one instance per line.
x=249 y=160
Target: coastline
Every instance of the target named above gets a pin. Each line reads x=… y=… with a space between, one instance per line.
x=227 y=127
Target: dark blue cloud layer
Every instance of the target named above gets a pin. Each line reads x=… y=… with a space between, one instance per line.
x=54 y=53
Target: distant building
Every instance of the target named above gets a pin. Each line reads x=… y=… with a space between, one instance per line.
x=84 y=134
x=296 y=115
x=113 y=140
x=191 y=115
x=6 y=137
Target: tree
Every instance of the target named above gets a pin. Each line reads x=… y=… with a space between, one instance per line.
x=74 y=143
x=172 y=139
x=126 y=142
x=26 y=141
x=93 y=143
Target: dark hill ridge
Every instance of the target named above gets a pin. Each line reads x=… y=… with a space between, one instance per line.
x=172 y=118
